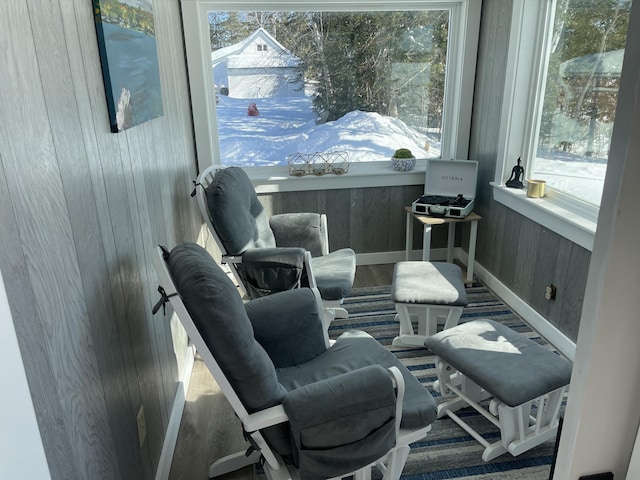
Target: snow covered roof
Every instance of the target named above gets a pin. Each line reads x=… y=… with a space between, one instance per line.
x=245 y=53
x=606 y=64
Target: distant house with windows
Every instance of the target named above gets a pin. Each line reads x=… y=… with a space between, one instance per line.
x=257 y=67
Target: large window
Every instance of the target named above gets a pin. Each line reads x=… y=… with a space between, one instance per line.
x=364 y=83
x=271 y=79
x=584 y=63
x=564 y=68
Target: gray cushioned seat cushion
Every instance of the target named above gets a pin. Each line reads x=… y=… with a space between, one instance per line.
x=507 y=364
x=334 y=273
x=353 y=350
x=435 y=283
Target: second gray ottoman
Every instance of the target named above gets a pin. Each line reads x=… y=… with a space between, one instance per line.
x=426 y=292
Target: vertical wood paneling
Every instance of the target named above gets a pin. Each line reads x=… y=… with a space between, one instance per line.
x=525 y=259
x=573 y=290
x=546 y=257
x=519 y=252
x=364 y=219
x=48 y=245
x=367 y=219
x=81 y=208
x=337 y=203
x=55 y=436
x=75 y=174
x=511 y=238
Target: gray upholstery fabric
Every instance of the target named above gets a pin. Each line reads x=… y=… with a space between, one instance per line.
x=507 y=364
x=241 y=223
x=334 y=273
x=219 y=314
x=236 y=213
x=268 y=270
x=353 y=350
x=289 y=326
x=435 y=283
x=298 y=230
x=332 y=436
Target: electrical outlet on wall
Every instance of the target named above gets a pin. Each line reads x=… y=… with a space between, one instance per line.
x=142 y=426
x=550 y=292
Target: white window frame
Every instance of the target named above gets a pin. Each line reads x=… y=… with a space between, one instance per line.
x=461 y=65
x=531 y=30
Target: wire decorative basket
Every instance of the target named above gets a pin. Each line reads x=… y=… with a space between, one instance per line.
x=318 y=163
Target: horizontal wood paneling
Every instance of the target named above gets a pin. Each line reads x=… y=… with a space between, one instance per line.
x=81 y=210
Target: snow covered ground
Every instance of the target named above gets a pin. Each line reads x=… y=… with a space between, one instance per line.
x=288 y=125
x=575 y=175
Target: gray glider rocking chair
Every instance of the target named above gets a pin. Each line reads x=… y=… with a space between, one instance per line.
x=268 y=255
x=311 y=409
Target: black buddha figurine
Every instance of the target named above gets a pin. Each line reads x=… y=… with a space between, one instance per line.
x=517 y=174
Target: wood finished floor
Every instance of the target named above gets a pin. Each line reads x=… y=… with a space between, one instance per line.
x=209 y=429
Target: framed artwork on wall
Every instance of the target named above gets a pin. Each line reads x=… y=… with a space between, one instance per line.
x=129 y=59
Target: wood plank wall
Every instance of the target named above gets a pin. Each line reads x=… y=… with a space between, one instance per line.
x=368 y=220
x=80 y=210
x=521 y=253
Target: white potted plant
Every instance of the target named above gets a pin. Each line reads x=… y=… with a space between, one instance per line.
x=403 y=160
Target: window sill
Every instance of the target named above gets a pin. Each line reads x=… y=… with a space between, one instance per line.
x=360 y=175
x=580 y=229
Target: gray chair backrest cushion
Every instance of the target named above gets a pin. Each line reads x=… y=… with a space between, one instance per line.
x=237 y=215
x=218 y=312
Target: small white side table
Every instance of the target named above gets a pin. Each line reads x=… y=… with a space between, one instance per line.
x=428 y=222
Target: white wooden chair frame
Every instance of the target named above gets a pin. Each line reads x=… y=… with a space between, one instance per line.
x=428 y=316
x=521 y=428
x=391 y=465
x=332 y=308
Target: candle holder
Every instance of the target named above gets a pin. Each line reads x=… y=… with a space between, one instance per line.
x=298 y=164
x=338 y=162
x=318 y=163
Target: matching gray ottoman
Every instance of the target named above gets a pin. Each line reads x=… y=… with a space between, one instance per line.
x=523 y=382
x=429 y=292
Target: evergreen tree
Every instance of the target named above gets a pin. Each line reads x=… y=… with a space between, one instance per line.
x=392 y=63
x=576 y=101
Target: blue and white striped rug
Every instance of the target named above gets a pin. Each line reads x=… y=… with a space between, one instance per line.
x=448 y=451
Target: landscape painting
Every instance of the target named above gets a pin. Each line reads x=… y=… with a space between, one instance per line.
x=128 y=54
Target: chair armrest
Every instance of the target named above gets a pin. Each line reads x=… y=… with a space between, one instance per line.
x=264 y=418
x=267 y=270
x=304 y=230
x=344 y=422
x=289 y=326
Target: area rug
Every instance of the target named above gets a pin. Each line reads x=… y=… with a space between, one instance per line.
x=448 y=452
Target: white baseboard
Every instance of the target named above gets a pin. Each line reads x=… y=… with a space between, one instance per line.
x=171 y=437
x=554 y=336
x=540 y=324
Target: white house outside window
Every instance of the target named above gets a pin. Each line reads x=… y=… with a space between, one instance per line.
x=271 y=79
